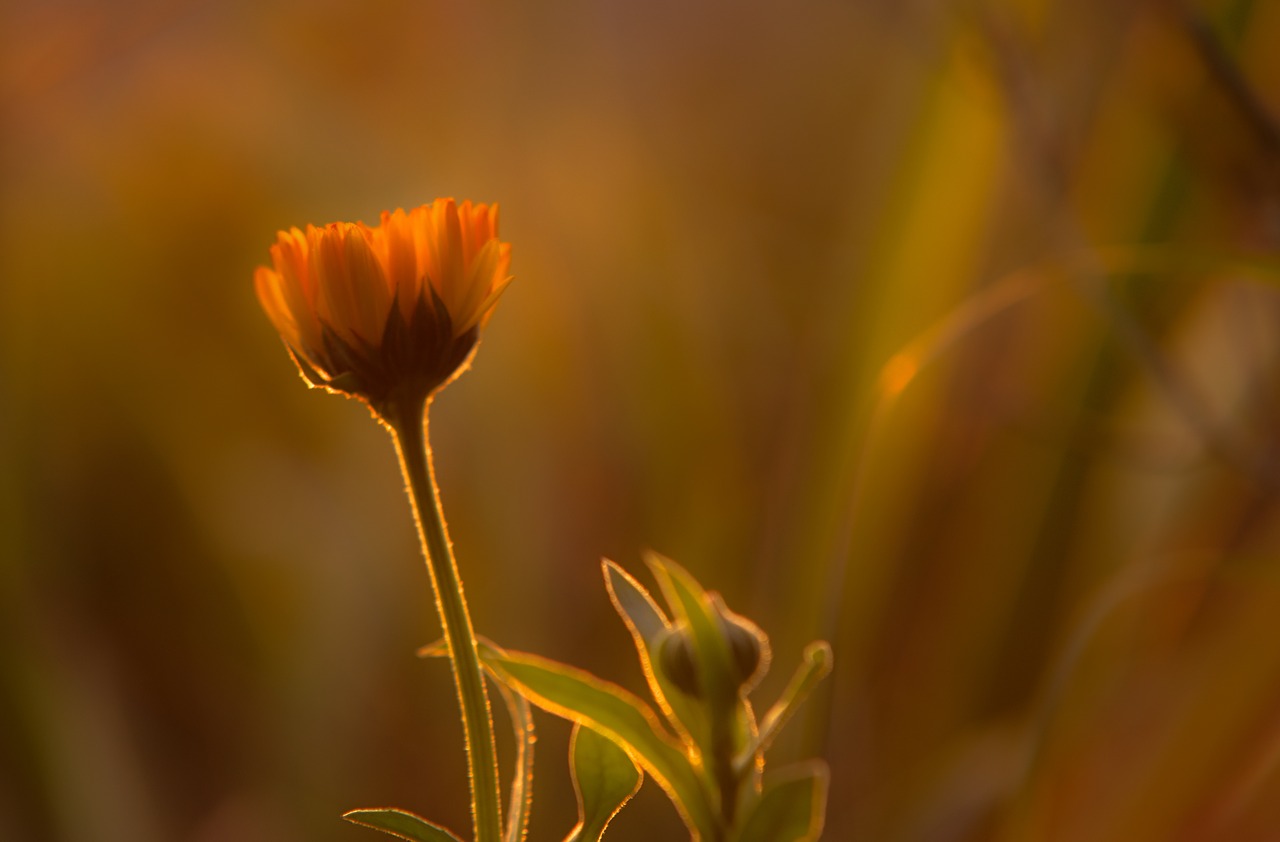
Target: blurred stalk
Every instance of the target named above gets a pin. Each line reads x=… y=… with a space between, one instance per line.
x=1136 y=315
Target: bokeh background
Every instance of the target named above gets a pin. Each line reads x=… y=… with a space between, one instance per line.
x=947 y=331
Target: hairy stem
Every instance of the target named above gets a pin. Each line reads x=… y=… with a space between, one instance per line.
x=408 y=423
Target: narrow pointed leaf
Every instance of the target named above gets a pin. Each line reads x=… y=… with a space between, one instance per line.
x=522 y=723
x=604 y=777
x=401 y=824
x=648 y=625
x=579 y=696
x=792 y=807
x=638 y=610
x=521 y=799
x=731 y=725
x=692 y=604
x=815 y=666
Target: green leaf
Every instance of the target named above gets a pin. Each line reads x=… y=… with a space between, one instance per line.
x=604 y=777
x=731 y=725
x=522 y=722
x=693 y=605
x=522 y=778
x=400 y=823
x=638 y=610
x=648 y=626
x=792 y=807
x=815 y=666
x=579 y=696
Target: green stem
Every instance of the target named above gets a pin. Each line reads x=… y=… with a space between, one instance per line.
x=408 y=423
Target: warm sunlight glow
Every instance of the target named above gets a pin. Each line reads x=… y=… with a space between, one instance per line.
x=898 y=373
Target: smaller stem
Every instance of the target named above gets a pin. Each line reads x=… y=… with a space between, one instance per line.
x=408 y=423
x=727 y=780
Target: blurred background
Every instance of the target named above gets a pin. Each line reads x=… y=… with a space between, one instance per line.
x=946 y=331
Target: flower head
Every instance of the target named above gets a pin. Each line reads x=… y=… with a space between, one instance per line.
x=389 y=312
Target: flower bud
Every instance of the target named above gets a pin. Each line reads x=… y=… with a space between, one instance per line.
x=748 y=646
x=676 y=661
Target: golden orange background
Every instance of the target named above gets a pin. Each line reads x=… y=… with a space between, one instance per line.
x=945 y=330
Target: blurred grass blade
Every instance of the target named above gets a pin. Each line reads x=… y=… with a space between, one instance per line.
x=792 y=807
x=815 y=667
x=522 y=723
x=604 y=778
x=400 y=823
x=579 y=696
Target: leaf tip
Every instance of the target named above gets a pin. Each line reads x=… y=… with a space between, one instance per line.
x=818 y=654
x=435 y=649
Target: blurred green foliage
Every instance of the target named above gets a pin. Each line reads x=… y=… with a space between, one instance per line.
x=1043 y=545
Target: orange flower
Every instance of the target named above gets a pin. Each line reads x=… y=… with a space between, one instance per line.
x=390 y=312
